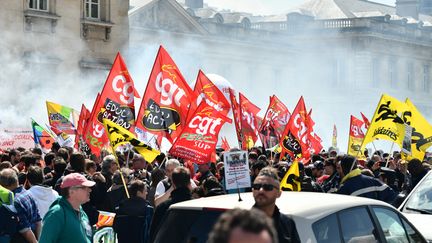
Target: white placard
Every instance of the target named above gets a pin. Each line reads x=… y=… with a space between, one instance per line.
x=236 y=170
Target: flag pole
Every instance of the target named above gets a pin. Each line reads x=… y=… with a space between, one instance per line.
x=163 y=162
x=373 y=144
x=121 y=175
x=388 y=157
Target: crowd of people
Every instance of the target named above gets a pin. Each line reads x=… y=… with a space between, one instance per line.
x=57 y=197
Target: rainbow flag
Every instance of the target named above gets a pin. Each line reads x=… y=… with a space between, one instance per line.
x=41 y=136
x=62 y=117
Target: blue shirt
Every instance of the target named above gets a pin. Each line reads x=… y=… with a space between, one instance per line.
x=27 y=210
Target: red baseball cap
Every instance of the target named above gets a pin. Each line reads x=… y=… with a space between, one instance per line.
x=76 y=179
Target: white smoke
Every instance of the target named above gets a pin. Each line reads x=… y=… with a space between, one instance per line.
x=254 y=67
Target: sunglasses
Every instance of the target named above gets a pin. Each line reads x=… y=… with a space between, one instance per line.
x=266 y=187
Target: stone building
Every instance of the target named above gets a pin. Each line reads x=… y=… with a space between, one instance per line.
x=341 y=54
x=51 y=47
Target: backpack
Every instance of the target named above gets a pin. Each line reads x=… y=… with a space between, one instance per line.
x=9 y=219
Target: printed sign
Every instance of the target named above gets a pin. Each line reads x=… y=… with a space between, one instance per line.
x=236 y=170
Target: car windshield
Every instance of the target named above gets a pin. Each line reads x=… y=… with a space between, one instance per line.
x=420 y=199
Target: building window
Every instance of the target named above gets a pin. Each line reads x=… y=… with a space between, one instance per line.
x=410 y=76
x=393 y=73
x=41 y=5
x=92 y=9
x=426 y=85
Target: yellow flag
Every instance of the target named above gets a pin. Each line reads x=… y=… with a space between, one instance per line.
x=291 y=179
x=421 y=133
x=117 y=136
x=354 y=145
x=388 y=122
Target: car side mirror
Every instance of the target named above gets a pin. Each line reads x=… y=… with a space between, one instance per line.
x=399 y=199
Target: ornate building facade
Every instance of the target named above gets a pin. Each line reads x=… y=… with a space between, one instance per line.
x=340 y=54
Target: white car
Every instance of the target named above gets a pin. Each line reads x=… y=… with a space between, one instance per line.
x=319 y=217
x=417 y=206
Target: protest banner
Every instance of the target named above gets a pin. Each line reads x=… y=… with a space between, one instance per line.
x=16 y=137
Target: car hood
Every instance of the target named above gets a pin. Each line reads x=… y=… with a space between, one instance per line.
x=422 y=222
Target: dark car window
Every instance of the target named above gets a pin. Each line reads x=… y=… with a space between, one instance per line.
x=393 y=229
x=187 y=226
x=357 y=226
x=326 y=230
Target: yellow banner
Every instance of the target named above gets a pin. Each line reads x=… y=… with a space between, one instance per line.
x=118 y=135
x=291 y=181
x=388 y=122
x=354 y=146
x=421 y=133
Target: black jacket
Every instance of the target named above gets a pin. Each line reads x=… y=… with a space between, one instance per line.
x=132 y=220
x=285 y=227
x=178 y=195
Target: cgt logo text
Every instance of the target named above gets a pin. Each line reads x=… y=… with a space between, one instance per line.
x=204 y=125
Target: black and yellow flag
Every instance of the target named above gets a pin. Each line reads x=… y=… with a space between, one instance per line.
x=291 y=180
x=388 y=122
x=421 y=135
x=118 y=135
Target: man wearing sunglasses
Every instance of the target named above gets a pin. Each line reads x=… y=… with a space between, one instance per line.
x=66 y=220
x=266 y=189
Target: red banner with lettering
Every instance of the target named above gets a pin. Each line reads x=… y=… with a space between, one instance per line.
x=198 y=139
x=295 y=136
x=167 y=99
x=116 y=103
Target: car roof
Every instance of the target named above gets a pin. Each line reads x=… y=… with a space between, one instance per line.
x=302 y=204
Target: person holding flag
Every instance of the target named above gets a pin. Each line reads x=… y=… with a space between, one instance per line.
x=354 y=183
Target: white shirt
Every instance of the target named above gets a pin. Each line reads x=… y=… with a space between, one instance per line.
x=44 y=197
x=160 y=188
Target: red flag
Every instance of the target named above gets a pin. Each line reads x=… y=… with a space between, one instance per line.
x=198 y=139
x=365 y=120
x=296 y=133
x=356 y=137
x=249 y=122
x=205 y=90
x=225 y=144
x=236 y=114
x=167 y=99
x=83 y=119
x=274 y=122
x=314 y=141
x=116 y=103
x=355 y=128
x=277 y=113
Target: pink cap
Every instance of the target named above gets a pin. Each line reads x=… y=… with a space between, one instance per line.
x=76 y=179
